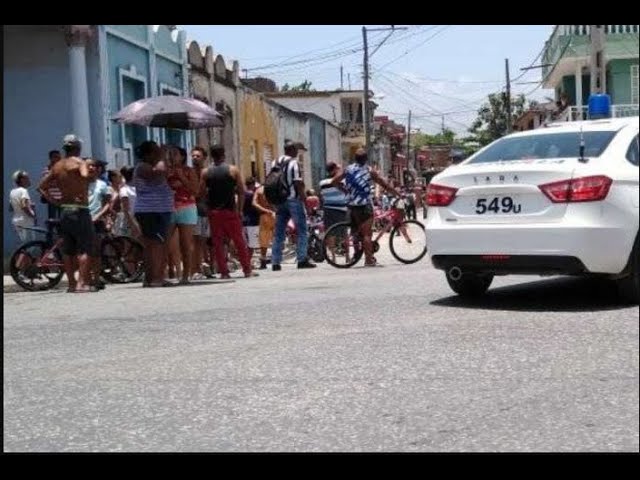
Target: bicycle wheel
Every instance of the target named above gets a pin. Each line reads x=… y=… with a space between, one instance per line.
x=408 y=241
x=122 y=260
x=341 y=249
x=33 y=272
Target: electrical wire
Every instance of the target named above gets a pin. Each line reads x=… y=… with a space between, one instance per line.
x=415 y=46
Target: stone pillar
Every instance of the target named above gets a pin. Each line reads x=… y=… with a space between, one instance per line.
x=76 y=38
x=579 y=86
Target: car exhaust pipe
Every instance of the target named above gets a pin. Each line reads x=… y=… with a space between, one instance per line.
x=455 y=273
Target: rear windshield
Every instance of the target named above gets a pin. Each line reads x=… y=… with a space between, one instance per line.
x=551 y=145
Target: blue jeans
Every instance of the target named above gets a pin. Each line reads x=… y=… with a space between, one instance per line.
x=292 y=208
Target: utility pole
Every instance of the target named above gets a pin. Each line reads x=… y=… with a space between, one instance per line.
x=246 y=72
x=409 y=139
x=341 y=78
x=442 y=126
x=366 y=112
x=508 y=96
x=598 y=69
x=349 y=80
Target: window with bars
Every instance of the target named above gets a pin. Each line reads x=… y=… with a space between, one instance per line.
x=635 y=96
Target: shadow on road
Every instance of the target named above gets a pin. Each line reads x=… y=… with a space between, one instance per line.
x=553 y=295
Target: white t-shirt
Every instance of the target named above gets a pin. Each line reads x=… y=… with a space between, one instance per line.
x=293 y=173
x=130 y=193
x=16 y=197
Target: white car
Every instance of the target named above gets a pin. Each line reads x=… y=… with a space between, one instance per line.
x=538 y=202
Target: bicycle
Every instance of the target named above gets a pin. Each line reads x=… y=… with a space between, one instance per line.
x=343 y=248
x=37 y=265
x=315 y=229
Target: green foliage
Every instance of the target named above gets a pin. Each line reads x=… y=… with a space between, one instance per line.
x=491 y=122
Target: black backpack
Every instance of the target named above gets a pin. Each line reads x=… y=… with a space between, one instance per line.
x=276 y=188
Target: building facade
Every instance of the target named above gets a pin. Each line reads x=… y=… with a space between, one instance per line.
x=341 y=107
x=211 y=82
x=567 y=54
x=60 y=79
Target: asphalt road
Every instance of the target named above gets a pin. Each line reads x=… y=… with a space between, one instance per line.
x=383 y=359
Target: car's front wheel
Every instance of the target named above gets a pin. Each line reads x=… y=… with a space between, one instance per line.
x=470 y=284
x=629 y=286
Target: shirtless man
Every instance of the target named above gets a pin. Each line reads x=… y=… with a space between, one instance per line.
x=71 y=176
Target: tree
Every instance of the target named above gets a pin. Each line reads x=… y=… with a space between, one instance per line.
x=303 y=87
x=424 y=139
x=491 y=123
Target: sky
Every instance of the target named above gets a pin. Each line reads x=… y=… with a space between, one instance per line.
x=428 y=69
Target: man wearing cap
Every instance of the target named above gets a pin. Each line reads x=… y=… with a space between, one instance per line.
x=71 y=176
x=294 y=208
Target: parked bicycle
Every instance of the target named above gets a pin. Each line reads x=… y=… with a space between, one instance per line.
x=315 y=231
x=343 y=247
x=38 y=265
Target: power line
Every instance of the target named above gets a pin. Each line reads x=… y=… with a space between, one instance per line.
x=464 y=103
x=564 y=50
x=419 y=100
x=416 y=46
x=346 y=51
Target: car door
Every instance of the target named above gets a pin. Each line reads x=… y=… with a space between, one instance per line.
x=633 y=157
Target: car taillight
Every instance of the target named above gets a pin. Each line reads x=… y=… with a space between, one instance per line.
x=584 y=189
x=439 y=196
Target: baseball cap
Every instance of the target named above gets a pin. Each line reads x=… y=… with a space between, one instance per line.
x=71 y=140
x=300 y=146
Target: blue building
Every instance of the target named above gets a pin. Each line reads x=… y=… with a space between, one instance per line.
x=73 y=78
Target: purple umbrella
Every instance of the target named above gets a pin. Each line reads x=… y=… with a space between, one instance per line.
x=170 y=111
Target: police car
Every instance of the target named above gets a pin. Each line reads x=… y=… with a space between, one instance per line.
x=557 y=200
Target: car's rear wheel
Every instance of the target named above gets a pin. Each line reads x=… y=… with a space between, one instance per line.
x=470 y=284
x=629 y=287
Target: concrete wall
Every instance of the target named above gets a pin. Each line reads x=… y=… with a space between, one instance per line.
x=137 y=32
x=333 y=144
x=294 y=126
x=36 y=108
x=317 y=150
x=225 y=102
x=323 y=106
x=213 y=81
x=619 y=78
x=258 y=131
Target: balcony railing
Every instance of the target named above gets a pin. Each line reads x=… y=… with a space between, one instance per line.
x=574 y=113
x=573 y=41
x=352 y=129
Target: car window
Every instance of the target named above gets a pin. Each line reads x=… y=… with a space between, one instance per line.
x=551 y=145
x=633 y=153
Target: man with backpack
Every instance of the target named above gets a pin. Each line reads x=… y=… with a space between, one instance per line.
x=284 y=190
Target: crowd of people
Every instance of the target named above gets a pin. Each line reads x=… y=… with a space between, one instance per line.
x=192 y=219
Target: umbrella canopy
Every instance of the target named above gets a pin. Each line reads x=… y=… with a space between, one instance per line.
x=170 y=111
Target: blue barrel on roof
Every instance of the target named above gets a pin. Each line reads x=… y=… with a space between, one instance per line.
x=599 y=106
